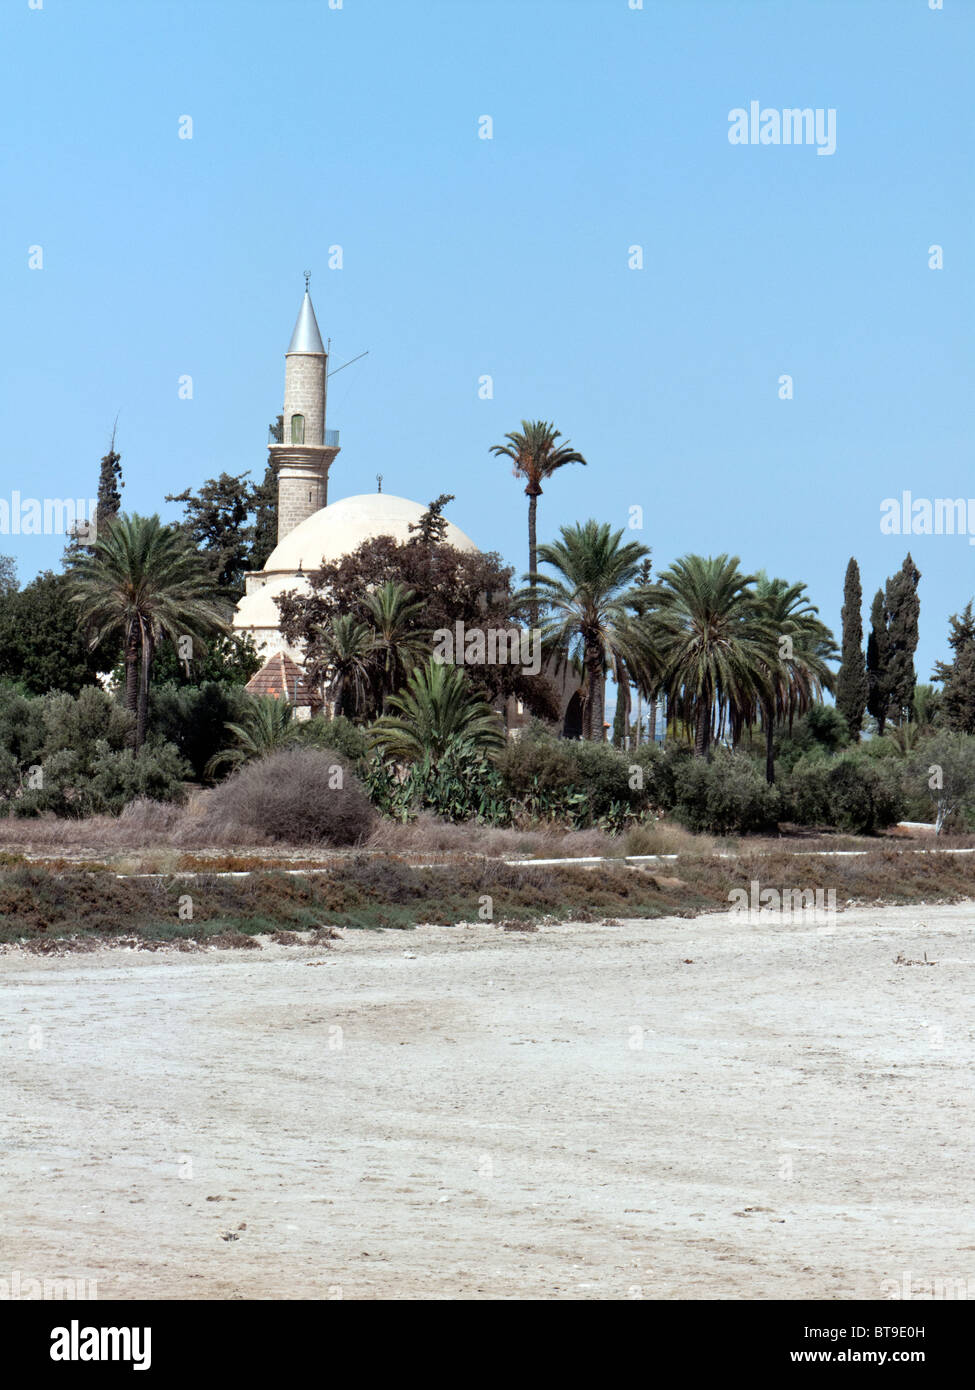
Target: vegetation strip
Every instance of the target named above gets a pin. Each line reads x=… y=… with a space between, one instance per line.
x=77 y=908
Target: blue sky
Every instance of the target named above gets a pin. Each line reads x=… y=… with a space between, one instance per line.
x=463 y=257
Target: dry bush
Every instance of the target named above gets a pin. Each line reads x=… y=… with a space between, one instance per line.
x=665 y=837
x=299 y=796
x=428 y=835
x=150 y=817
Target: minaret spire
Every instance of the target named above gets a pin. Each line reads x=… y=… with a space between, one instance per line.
x=306 y=451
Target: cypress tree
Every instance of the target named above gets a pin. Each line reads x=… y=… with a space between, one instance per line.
x=851 y=681
x=619 y=723
x=110 y=486
x=265 y=504
x=903 y=609
x=958 y=676
x=878 y=659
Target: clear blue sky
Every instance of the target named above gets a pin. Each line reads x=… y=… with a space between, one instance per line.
x=358 y=126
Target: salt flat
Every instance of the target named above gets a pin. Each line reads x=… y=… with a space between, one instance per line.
x=669 y=1109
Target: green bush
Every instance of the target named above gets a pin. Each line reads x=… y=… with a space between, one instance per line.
x=69 y=756
x=822 y=729
x=193 y=718
x=81 y=725
x=805 y=792
x=854 y=792
x=725 y=796
x=22 y=728
x=581 y=783
x=660 y=766
x=460 y=785
x=338 y=733
x=70 y=785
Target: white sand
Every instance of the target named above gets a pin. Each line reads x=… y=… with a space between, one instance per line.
x=797 y=1124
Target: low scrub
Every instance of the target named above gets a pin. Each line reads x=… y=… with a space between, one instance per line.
x=68 y=756
x=856 y=794
x=300 y=796
x=728 y=795
x=40 y=907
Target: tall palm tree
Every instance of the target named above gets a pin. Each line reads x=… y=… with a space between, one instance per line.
x=591 y=609
x=536 y=456
x=436 y=708
x=398 y=645
x=795 y=680
x=265 y=726
x=715 y=642
x=346 y=651
x=145 y=580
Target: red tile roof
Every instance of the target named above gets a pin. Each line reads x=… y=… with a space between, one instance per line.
x=282 y=678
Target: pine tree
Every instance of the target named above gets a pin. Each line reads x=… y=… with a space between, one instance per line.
x=878 y=660
x=903 y=609
x=216 y=520
x=958 y=676
x=110 y=486
x=851 y=681
x=432 y=526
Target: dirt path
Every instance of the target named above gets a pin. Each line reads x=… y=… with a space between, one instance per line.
x=464 y=1113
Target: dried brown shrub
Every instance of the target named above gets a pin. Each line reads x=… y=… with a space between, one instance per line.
x=299 y=796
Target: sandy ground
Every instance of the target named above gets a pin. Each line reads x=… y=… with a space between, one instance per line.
x=669 y=1109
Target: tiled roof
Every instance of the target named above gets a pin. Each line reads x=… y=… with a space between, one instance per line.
x=283 y=679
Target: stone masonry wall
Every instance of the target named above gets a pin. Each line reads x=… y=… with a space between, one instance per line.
x=304 y=394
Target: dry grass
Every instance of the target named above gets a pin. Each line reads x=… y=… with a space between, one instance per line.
x=152 y=837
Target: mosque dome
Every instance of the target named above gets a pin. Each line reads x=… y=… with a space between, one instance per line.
x=339 y=529
x=326 y=535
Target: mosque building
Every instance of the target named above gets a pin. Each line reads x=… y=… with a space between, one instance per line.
x=312 y=531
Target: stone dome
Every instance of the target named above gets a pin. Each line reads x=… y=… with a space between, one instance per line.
x=342 y=527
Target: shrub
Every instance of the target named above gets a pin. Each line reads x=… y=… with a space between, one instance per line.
x=460 y=785
x=805 y=793
x=724 y=796
x=338 y=733
x=155 y=773
x=72 y=785
x=558 y=779
x=822 y=729
x=22 y=729
x=78 y=744
x=660 y=767
x=854 y=792
x=85 y=725
x=193 y=718
x=299 y=795
x=849 y=789
x=946 y=760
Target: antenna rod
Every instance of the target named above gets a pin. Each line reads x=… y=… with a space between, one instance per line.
x=350 y=361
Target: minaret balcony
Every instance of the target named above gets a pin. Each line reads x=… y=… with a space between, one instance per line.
x=331 y=439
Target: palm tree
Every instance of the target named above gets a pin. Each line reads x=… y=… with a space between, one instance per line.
x=716 y=644
x=397 y=645
x=436 y=709
x=266 y=726
x=145 y=580
x=797 y=678
x=592 y=609
x=535 y=456
x=346 y=651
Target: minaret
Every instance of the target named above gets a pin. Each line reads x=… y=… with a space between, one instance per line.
x=307 y=449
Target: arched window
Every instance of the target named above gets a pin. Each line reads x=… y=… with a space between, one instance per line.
x=297 y=429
